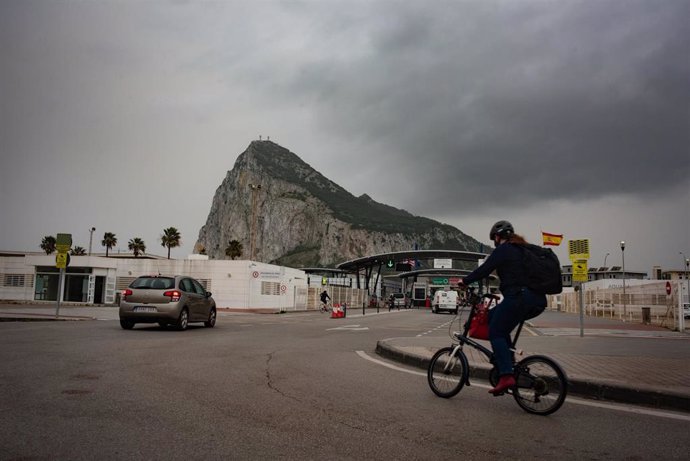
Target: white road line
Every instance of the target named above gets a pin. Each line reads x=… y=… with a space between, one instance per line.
x=365 y=356
x=569 y=400
x=348 y=327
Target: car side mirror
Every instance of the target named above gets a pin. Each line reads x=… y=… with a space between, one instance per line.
x=208 y=294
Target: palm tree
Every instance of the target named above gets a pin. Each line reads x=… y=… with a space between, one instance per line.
x=48 y=244
x=234 y=249
x=137 y=245
x=78 y=251
x=170 y=239
x=109 y=241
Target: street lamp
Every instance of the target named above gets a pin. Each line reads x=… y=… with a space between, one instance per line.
x=606 y=256
x=625 y=306
x=687 y=268
x=91 y=238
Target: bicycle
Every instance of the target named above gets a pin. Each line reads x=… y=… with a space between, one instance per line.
x=326 y=307
x=541 y=384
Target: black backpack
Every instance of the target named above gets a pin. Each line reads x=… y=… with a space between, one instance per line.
x=543 y=269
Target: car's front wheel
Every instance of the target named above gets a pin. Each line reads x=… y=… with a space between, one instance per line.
x=211 y=322
x=183 y=320
x=126 y=324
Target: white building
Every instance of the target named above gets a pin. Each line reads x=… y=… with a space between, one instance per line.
x=242 y=285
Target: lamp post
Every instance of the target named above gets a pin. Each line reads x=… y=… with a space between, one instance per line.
x=91 y=231
x=625 y=306
x=606 y=256
x=687 y=269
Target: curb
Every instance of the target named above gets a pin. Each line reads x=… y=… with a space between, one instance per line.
x=580 y=386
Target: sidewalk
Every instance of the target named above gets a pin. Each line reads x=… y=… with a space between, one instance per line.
x=614 y=361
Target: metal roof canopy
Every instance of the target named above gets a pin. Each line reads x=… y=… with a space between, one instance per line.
x=324 y=270
x=368 y=262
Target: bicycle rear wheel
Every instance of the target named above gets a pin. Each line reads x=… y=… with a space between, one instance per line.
x=447 y=373
x=541 y=385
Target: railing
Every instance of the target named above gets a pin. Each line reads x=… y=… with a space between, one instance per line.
x=640 y=301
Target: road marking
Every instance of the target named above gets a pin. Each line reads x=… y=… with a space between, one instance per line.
x=569 y=400
x=365 y=356
x=349 y=328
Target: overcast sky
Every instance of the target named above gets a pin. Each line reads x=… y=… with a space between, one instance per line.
x=569 y=117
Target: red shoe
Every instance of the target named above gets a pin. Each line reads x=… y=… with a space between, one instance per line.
x=505 y=382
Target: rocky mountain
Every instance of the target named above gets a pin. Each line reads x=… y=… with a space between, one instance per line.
x=299 y=218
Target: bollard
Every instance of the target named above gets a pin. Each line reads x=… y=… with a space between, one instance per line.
x=646 y=315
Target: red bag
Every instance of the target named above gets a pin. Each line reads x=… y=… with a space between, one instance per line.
x=479 y=327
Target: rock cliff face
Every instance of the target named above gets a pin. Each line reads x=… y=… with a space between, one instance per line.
x=299 y=218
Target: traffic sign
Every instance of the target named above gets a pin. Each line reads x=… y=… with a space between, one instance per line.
x=63 y=242
x=62 y=260
x=668 y=288
x=390 y=264
x=580 y=270
x=578 y=249
x=439 y=281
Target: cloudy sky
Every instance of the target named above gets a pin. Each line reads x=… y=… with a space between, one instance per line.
x=564 y=116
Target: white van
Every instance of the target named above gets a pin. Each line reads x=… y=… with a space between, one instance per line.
x=445 y=301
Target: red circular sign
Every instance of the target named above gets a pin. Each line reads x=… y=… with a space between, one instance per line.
x=668 y=288
x=283 y=288
x=255 y=274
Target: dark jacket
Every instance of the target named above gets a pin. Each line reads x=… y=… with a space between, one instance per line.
x=507 y=261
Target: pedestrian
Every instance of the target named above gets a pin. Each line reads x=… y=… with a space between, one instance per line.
x=518 y=303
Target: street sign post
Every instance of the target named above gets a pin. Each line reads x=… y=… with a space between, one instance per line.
x=578 y=252
x=63 y=243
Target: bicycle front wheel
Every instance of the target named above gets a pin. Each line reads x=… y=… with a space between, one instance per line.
x=447 y=373
x=541 y=385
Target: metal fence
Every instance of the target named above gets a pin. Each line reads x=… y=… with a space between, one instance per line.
x=646 y=303
x=310 y=298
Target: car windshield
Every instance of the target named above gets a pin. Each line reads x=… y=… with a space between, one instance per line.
x=154 y=283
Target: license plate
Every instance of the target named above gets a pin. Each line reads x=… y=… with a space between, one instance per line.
x=145 y=309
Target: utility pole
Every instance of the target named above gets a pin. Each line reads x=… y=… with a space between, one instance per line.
x=625 y=302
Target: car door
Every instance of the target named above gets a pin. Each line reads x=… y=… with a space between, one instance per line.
x=193 y=299
x=205 y=302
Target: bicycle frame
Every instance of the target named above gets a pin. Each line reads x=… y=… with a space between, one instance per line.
x=463 y=339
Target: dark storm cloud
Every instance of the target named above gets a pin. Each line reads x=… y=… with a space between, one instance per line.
x=514 y=102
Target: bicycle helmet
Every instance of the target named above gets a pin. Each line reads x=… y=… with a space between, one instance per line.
x=503 y=229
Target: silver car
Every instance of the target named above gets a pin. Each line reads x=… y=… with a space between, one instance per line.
x=167 y=301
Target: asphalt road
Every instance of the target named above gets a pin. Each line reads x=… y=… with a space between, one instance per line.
x=291 y=386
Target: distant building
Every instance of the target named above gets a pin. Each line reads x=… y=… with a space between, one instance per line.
x=601 y=273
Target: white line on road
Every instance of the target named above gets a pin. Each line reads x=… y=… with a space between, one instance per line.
x=569 y=400
x=349 y=328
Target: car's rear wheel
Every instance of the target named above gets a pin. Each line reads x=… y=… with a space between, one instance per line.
x=126 y=324
x=211 y=322
x=183 y=320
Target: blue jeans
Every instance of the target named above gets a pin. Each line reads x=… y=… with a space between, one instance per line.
x=515 y=307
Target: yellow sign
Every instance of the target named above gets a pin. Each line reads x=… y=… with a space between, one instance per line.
x=580 y=270
x=63 y=242
x=61 y=260
x=578 y=249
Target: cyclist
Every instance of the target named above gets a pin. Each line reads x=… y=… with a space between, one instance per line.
x=518 y=304
x=324 y=300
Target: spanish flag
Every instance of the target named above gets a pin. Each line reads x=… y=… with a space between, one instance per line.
x=551 y=239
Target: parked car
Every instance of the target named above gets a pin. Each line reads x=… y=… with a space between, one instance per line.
x=686 y=310
x=167 y=301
